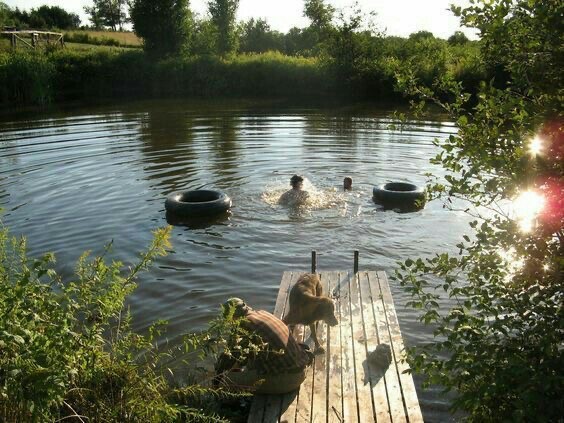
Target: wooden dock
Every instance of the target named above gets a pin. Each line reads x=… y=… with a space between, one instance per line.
x=341 y=385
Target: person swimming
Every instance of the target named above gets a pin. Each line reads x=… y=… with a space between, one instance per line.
x=295 y=196
x=347 y=183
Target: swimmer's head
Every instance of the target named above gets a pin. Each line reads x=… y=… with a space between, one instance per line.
x=347 y=183
x=296 y=181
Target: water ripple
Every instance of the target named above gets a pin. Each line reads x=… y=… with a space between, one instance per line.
x=75 y=181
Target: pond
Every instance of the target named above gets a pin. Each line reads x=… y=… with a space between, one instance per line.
x=74 y=180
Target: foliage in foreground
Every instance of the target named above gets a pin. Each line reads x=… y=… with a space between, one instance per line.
x=499 y=348
x=67 y=349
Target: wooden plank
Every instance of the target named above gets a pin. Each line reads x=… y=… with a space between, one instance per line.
x=303 y=402
x=342 y=386
x=393 y=387
x=257 y=409
x=289 y=401
x=408 y=387
x=364 y=394
x=31 y=32
x=375 y=374
x=283 y=293
x=334 y=382
x=319 y=396
x=350 y=400
x=24 y=41
x=272 y=405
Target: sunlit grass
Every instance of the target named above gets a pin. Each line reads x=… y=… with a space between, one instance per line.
x=92 y=47
x=123 y=37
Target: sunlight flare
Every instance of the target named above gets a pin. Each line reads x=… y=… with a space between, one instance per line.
x=513 y=263
x=535 y=146
x=526 y=208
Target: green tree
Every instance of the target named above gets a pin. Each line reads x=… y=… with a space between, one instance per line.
x=222 y=14
x=427 y=56
x=419 y=35
x=203 y=38
x=5 y=15
x=321 y=16
x=21 y=18
x=257 y=37
x=319 y=13
x=458 y=38
x=108 y=13
x=353 y=49
x=164 y=25
x=499 y=348
x=53 y=17
x=301 y=42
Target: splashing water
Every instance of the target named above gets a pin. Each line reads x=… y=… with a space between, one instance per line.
x=318 y=199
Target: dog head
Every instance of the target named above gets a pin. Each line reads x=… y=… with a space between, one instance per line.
x=326 y=312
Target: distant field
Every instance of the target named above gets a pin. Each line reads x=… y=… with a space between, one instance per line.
x=124 y=38
x=5 y=46
x=84 y=40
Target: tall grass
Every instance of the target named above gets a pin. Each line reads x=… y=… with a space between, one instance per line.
x=260 y=75
x=29 y=78
x=105 y=38
x=26 y=78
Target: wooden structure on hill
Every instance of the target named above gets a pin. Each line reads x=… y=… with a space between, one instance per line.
x=33 y=39
x=342 y=385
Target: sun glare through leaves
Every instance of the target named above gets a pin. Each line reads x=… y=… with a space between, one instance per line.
x=526 y=208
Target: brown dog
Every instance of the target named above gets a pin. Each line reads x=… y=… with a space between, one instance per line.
x=308 y=305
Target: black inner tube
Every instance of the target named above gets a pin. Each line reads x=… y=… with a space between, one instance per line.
x=199 y=196
x=401 y=195
x=197 y=203
x=400 y=187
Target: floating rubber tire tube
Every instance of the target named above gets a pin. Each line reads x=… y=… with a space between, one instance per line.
x=198 y=203
x=399 y=194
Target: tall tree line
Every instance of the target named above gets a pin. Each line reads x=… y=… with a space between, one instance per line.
x=44 y=17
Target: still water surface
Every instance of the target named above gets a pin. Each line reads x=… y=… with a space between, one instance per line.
x=72 y=181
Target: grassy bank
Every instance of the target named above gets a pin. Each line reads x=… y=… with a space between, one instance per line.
x=107 y=38
x=35 y=78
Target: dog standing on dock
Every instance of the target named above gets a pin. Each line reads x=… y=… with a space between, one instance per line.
x=308 y=305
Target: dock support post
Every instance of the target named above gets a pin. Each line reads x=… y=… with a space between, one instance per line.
x=313 y=261
x=355 y=264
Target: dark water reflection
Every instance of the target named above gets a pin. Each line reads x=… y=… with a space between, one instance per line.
x=73 y=181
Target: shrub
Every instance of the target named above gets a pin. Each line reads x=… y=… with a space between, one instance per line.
x=498 y=347
x=26 y=78
x=67 y=349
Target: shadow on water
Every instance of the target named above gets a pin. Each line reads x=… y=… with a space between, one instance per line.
x=72 y=181
x=167 y=146
x=400 y=209
x=224 y=140
x=197 y=222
